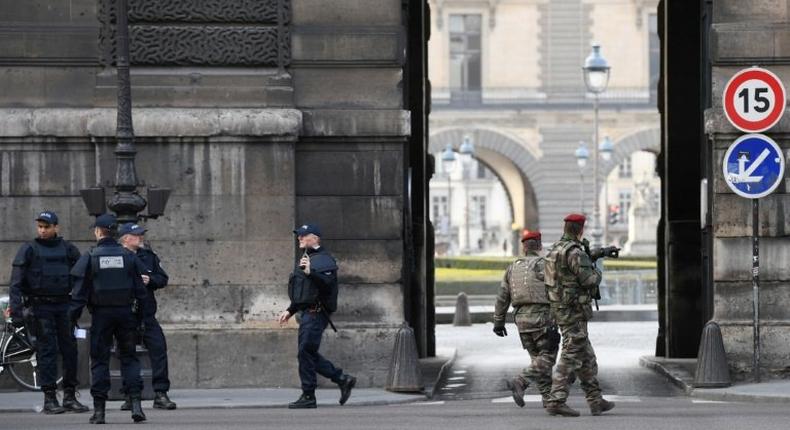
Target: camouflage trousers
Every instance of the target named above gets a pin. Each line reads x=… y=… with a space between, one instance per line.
x=577 y=357
x=533 y=322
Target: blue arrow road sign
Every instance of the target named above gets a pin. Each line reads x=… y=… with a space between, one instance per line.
x=754 y=166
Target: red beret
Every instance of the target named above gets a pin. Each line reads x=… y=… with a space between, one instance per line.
x=528 y=234
x=577 y=218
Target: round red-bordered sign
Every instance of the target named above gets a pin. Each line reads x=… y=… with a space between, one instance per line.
x=754 y=100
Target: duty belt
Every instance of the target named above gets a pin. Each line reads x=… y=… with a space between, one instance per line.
x=314 y=309
x=40 y=300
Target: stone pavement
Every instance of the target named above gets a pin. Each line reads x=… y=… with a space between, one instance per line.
x=681 y=373
x=226 y=398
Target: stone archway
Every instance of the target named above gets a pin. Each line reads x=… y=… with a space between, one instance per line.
x=644 y=140
x=508 y=158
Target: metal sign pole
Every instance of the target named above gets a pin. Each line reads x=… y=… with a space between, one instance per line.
x=756 y=286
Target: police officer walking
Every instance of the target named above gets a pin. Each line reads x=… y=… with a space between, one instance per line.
x=155 y=278
x=40 y=283
x=108 y=279
x=523 y=287
x=571 y=281
x=313 y=290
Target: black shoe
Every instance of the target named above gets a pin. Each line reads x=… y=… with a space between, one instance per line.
x=346 y=385
x=561 y=409
x=161 y=401
x=70 y=402
x=306 y=401
x=98 y=412
x=51 y=405
x=517 y=386
x=137 y=408
x=600 y=406
x=126 y=405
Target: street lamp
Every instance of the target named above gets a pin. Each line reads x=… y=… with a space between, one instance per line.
x=596 y=78
x=582 y=155
x=448 y=163
x=126 y=202
x=467 y=151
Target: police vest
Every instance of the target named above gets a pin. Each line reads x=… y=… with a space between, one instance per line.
x=525 y=287
x=561 y=284
x=112 y=282
x=303 y=291
x=48 y=274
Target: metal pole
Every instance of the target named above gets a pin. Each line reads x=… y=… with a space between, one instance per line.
x=468 y=248
x=606 y=208
x=581 y=191
x=449 y=210
x=756 y=286
x=596 y=206
x=126 y=202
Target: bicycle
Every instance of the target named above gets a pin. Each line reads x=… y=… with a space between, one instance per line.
x=18 y=355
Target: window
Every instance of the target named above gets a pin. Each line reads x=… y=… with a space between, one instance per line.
x=465 y=45
x=439 y=207
x=654 y=50
x=625 y=205
x=478 y=211
x=624 y=169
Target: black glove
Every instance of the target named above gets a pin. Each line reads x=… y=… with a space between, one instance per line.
x=500 y=330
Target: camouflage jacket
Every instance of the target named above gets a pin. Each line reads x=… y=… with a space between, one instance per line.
x=521 y=285
x=570 y=278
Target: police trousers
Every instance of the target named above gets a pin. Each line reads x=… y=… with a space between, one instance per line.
x=118 y=323
x=311 y=330
x=54 y=332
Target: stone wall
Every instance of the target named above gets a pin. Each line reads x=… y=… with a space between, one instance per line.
x=745 y=34
x=249 y=150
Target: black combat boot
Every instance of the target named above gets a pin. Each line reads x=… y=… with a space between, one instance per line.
x=346 y=385
x=161 y=401
x=51 y=405
x=597 y=407
x=306 y=401
x=137 y=408
x=127 y=404
x=98 y=412
x=517 y=386
x=70 y=402
x=561 y=409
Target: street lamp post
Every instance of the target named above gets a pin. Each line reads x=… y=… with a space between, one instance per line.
x=448 y=163
x=467 y=151
x=596 y=78
x=126 y=202
x=582 y=155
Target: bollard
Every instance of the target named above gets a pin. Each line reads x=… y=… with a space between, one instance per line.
x=404 y=375
x=712 y=369
x=462 y=318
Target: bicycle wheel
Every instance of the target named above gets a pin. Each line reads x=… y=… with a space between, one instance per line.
x=21 y=361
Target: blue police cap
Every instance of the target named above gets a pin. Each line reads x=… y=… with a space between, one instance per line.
x=131 y=228
x=306 y=229
x=48 y=217
x=107 y=221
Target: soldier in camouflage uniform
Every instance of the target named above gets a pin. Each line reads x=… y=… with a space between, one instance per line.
x=571 y=281
x=523 y=287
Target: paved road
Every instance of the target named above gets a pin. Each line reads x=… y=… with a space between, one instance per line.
x=485 y=360
x=632 y=413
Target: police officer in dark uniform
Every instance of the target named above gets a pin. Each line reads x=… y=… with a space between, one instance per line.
x=108 y=279
x=155 y=278
x=313 y=290
x=40 y=283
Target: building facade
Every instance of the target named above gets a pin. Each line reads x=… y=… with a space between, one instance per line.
x=508 y=75
x=259 y=116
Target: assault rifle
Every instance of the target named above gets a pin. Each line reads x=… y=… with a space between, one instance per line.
x=595 y=255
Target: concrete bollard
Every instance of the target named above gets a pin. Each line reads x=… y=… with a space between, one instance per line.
x=404 y=375
x=462 y=317
x=712 y=369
